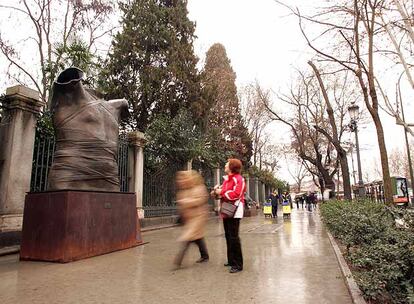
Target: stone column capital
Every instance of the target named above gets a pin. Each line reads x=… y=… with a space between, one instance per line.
x=23 y=98
x=136 y=138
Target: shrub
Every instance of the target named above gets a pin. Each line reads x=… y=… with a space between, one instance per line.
x=381 y=255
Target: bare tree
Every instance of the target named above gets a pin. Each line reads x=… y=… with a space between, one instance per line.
x=270 y=156
x=256 y=118
x=398 y=163
x=299 y=173
x=404 y=8
x=399 y=29
x=53 y=25
x=336 y=133
x=352 y=27
x=306 y=110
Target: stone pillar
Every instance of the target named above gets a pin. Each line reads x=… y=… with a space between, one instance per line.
x=256 y=190
x=264 y=192
x=216 y=182
x=137 y=142
x=17 y=134
x=247 y=179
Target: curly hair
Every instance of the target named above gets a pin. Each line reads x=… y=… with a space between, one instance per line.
x=235 y=165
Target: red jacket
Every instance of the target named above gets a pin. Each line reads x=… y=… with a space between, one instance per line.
x=233 y=188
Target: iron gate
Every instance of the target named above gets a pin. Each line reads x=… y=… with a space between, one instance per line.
x=159 y=190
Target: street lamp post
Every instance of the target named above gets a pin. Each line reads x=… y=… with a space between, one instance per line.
x=354 y=113
x=410 y=165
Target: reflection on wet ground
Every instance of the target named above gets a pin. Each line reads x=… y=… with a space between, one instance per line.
x=286 y=261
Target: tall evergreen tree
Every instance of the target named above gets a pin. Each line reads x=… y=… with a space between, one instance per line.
x=225 y=126
x=152 y=62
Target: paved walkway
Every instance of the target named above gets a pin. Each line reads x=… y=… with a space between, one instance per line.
x=285 y=262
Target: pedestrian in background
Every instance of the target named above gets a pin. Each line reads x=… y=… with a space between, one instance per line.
x=297 y=199
x=314 y=200
x=302 y=200
x=232 y=191
x=274 y=199
x=192 y=198
x=309 y=202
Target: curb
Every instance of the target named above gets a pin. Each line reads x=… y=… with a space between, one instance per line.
x=352 y=286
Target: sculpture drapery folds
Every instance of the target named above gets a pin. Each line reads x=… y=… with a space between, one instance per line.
x=87 y=130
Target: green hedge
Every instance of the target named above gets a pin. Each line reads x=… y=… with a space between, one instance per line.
x=379 y=251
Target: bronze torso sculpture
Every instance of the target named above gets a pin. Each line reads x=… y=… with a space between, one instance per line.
x=87 y=130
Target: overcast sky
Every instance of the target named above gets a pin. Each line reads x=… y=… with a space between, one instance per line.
x=263 y=42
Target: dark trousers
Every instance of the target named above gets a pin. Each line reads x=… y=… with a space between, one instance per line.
x=274 y=211
x=201 y=246
x=234 y=251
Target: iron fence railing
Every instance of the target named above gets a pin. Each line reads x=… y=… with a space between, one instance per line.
x=123 y=163
x=157 y=211
x=159 y=190
x=44 y=149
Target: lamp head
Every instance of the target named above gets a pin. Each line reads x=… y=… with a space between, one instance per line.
x=353 y=111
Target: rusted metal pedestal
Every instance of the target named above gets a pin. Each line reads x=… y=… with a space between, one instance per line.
x=64 y=226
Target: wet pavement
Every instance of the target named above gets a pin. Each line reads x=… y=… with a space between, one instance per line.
x=285 y=261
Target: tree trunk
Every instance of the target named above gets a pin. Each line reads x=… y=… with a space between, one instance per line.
x=384 y=160
x=373 y=109
x=328 y=182
x=345 y=177
x=322 y=186
x=334 y=139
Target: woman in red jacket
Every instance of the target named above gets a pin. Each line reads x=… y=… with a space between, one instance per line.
x=232 y=191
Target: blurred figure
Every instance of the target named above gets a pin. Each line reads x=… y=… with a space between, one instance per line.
x=309 y=202
x=297 y=199
x=232 y=191
x=302 y=200
x=274 y=199
x=314 y=200
x=192 y=200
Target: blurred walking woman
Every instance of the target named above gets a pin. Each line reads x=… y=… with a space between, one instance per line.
x=192 y=197
x=232 y=191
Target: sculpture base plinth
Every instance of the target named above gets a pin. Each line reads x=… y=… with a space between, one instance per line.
x=69 y=225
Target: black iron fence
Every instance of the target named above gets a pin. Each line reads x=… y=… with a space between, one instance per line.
x=44 y=149
x=123 y=163
x=159 y=190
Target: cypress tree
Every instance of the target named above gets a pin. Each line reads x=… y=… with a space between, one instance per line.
x=152 y=62
x=225 y=126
